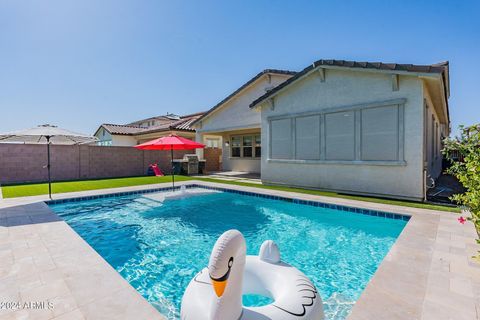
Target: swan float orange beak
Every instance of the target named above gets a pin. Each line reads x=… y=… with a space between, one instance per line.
x=219 y=284
x=219 y=287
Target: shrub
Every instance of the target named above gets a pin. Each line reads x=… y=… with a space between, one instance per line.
x=464 y=155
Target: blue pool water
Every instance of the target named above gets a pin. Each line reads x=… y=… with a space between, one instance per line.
x=158 y=246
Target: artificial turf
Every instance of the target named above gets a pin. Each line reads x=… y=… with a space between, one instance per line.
x=25 y=190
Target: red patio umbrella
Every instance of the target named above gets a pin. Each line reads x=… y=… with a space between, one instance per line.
x=171 y=142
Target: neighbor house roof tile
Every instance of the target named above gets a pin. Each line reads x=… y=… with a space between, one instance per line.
x=122 y=129
x=182 y=124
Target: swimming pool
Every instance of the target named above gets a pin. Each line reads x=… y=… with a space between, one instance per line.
x=158 y=244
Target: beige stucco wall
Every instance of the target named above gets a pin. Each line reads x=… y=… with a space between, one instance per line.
x=432 y=162
x=117 y=140
x=345 y=88
x=123 y=141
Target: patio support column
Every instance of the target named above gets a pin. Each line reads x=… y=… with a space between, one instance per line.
x=199 y=139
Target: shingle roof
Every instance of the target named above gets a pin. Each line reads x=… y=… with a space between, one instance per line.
x=246 y=84
x=440 y=68
x=183 y=124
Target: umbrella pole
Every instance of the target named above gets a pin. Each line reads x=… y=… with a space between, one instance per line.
x=48 y=168
x=173 y=169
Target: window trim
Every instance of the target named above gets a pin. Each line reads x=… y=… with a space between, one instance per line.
x=253 y=146
x=105 y=143
x=212 y=140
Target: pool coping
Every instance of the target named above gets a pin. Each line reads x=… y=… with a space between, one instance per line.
x=313 y=203
x=438 y=279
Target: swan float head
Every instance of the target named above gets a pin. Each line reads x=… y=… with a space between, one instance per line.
x=225 y=268
x=215 y=293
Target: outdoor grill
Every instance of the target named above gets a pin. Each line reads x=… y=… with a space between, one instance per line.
x=189 y=165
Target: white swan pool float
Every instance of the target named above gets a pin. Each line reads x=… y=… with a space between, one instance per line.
x=215 y=293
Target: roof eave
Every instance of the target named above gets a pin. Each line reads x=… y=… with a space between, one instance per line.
x=316 y=65
x=100 y=127
x=241 y=89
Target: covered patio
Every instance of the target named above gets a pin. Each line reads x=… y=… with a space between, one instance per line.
x=241 y=150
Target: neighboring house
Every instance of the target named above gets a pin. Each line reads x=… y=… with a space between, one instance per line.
x=353 y=127
x=147 y=129
x=233 y=123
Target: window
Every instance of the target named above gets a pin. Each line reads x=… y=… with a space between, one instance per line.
x=105 y=143
x=307 y=135
x=247 y=147
x=340 y=136
x=212 y=143
x=258 y=146
x=379 y=133
x=236 y=146
x=436 y=140
x=281 y=139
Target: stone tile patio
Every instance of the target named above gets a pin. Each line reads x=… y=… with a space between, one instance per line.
x=428 y=273
x=43 y=260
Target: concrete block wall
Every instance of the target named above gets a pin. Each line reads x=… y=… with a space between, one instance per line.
x=20 y=163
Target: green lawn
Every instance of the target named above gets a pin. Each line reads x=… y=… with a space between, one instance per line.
x=24 y=190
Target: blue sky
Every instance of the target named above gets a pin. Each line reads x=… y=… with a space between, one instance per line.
x=78 y=64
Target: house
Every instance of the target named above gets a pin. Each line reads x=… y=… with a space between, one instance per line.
x=346 y=126
x=145 y=130
x=238 y=127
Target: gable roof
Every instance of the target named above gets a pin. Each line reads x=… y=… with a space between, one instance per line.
x=439 y=68
x=181 y=124
x=245 y=85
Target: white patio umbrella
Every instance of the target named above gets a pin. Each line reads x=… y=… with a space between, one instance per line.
x=47 y=134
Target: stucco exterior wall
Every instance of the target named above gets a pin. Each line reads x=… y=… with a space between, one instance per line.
x=235 y=113
x=433 y=137
x=343 y=88
x=123 y=141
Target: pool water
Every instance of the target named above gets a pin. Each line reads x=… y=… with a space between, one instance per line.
x=159 y=245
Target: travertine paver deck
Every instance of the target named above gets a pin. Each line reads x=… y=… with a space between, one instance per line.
x=43 y=260
x=428 y=273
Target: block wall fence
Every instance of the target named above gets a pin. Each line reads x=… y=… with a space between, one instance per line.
x=20 y=163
